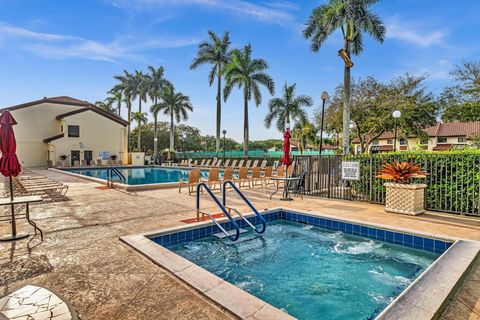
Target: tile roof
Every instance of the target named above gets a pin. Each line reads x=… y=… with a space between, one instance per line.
x=449 y=129
x=65 y=100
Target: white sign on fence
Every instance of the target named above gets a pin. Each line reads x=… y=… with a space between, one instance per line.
x=351 y=170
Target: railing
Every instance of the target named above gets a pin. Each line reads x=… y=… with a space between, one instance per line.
x=232 y=221
x=257 y=214
x=110 y=172
x=453 y=183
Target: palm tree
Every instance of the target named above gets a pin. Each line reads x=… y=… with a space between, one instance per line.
x=354 y=19
x=125 y=86
x=116 y=97
x=217 y=53
x=105 y=106
x=140 y=117
x=247 y=73
x=287 y=108
x=156 y=84
x=304 y=133
x=177 y=106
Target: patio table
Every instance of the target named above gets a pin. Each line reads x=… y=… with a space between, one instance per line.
x=287 y=182
x=20 y=200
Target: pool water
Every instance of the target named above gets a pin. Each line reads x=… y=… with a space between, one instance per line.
x=311 y=272
x=143 y=175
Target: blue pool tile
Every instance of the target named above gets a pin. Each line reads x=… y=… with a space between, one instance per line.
x=349 y=227
x=372 y=233
x=189 y=235
x=341 y=226
x=356 y=229
x=323 y=222
x=389 y=236
x=363 y=231
x=335 y=225
x=173 y=237
x=408 y=240
x=329 y=224
x=398 y=238
x=428 y=244
x=439 y=246
x=418 y=242
x=381 y=234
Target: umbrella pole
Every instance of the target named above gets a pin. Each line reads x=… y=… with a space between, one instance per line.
x=14 y=224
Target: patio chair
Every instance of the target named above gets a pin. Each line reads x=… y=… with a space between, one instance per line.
x=99 y=162
x=59 y=164
x=202 y=163
x=234 y=163
x=228 y=174
x=298 y=187
x=212 y=180
x=193 y=180
x=255 y=164
x=76 y=163
x=219 y=163
x=32 y=302
x=242 y=177
x=255 y=177
x=109 y=163
x=114 y=162
x=51 y=190
x=120 y=162
x=290 y=170
x=83 y=163
x=207 y=163
x=276 y=164
x=247 y=165
x=267 y=175
x=227 y=163
x=280 y=171
x=67 y=163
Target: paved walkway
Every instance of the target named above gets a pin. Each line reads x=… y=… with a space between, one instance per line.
x=82 y=259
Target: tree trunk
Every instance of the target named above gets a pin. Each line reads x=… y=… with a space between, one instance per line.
x=219 y=110
x=139 y=141
x=129 y=116
x=155 y=130
x=172 y=134
x=346 y=104
x=245 y=123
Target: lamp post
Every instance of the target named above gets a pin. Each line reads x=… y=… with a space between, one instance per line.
x=396 y=114
x=324 y=96
x=224 y=133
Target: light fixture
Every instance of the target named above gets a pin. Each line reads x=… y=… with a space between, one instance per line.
x=396 y=114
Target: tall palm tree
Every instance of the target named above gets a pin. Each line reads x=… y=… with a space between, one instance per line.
x=247 y=73
x=116 y=97
x=126 y=86
x=217 y=53
x=139 y=91
x=177 y=106
x=156 y=84
x=288 y=107
x=353 y=18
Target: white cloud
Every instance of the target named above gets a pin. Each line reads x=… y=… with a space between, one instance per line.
x=276 y=12
x=57 y=46
x=414 y=33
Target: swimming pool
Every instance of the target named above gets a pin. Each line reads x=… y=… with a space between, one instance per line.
x=312 y=272
x=139 y=175
x=308 y=264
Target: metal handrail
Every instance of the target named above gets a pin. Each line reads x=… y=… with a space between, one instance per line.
x=224 y=199
x=110 y=172
x=237 y=229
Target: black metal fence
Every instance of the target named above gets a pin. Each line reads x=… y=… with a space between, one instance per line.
x=453 y=183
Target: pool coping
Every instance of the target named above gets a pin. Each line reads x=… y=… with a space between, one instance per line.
x=123 y=186
x=425 y=298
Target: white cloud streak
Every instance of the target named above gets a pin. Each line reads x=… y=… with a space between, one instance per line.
x=57 y=46
x=413 y=33
x=276 y=12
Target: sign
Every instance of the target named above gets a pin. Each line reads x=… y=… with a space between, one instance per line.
x=350 y=170
x=104 y=155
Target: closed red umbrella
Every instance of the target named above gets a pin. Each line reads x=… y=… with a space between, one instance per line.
x=9 y=165
x=286 y=160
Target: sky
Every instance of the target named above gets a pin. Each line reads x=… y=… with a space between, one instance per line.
x=74 y=48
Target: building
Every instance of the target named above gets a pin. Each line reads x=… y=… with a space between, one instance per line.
x=62 y=127
x=442 y=136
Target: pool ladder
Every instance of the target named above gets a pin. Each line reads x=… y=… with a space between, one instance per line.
x=114 y=171
x=232 y=234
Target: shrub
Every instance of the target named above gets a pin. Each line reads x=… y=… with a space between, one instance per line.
x=401 y=172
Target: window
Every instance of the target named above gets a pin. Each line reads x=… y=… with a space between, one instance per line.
x=375 y=143
x=74 y=131
x=403 y=142
x=441 y=139
x=424 y=141
x=462 y=140
x=390 y=141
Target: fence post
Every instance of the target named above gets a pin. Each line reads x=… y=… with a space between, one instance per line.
x=370 y=189
x=328 y=176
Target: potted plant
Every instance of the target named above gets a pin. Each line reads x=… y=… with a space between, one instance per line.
x=113 y=157
x=403 y=196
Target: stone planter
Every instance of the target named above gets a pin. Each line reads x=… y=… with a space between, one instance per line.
x=405 y=198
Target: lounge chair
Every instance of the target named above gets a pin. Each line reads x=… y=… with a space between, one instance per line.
x=234 y=164
x=276 y=164
x=76 y=163
x=219 y=163
x=59 y=164
x=99 y=162
x=202 y=163
x=243 y=177
x=193 y=180
x=263 y=164
x=255 y=177
x=255 y=164
x=207 y=163
x=240 y=164
x=212 y=178
x=51 y=190
x=83 y=163
x=67 y=163
x=109 y=163
x=228 y=174
x=247 y=165
x=227 y=163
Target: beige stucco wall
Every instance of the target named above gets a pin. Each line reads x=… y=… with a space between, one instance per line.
x=38 y=122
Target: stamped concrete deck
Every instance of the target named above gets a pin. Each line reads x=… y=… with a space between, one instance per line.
x=82 y=258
